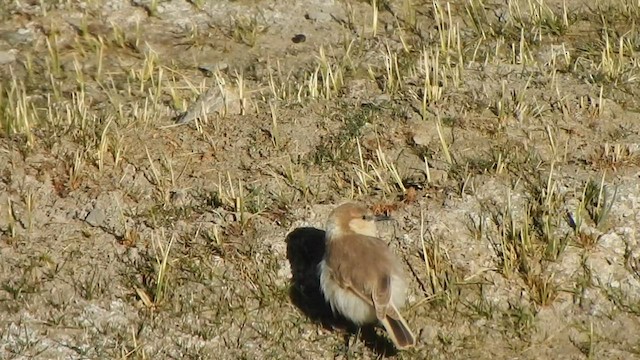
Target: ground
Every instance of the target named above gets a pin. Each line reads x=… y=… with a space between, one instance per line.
x=167 y=167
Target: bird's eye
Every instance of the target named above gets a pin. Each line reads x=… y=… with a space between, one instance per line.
x=364 y=217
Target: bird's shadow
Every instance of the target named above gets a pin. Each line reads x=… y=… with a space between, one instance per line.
x=305 y=250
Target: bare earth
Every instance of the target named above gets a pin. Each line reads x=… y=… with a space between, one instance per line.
x=166 y=168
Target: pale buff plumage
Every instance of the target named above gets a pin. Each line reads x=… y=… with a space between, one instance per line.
x=360 y=277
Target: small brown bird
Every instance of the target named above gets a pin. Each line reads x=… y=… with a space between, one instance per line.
x=360 y=277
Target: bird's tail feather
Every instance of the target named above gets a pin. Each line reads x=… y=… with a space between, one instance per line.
x=398 y=329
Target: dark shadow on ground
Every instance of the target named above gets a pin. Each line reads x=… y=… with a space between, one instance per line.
x=305 y=250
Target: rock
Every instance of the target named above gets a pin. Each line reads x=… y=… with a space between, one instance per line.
x=438 y=176
x=318 y=15
x=424 y=132
x=421 y=139
x=222 y=100
x=19 y=37
x=429 y=334
x=210 y=69
x=7 y=57
x=299 y=38
x=179 y=198
x=106 y=213
x=96 y=217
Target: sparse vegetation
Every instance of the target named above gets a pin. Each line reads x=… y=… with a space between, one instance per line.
x=155 y=156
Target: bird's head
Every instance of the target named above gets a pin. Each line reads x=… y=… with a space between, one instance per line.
x=352 y=218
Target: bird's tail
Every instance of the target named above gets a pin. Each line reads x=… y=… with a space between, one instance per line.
x=398 y=329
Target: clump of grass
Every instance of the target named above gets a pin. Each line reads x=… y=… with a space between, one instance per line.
x=18 y=115
x=521 y=319
x=530 y=238
x=28 y=282
x=92 y=286
x=156 y=283
x=596 y=202
x=245 y=29
x=341 y=147
x=442 y=281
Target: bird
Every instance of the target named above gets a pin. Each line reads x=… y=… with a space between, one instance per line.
x=360 y=277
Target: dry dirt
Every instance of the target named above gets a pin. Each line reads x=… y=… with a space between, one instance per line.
x=511 y=167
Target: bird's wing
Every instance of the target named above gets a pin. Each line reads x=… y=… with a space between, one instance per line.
x=370 y=280
x=386 y=312
x=345 y=283
x=382 y=295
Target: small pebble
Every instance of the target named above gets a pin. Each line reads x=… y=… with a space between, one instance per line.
x=7 y=57
x=299 y=38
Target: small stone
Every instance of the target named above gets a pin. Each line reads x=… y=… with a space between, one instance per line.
x=378 y=100
x=421 y=139
x=298 y=38
x=7 y=57
x=22 y=36
x=429 y=334
x=438 y=176
x=318 y=15
x=96 y=217
x=424 y=132
x=179 y=198
x=210 y=69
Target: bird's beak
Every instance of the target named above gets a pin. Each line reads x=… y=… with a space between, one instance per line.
x=382 y=218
